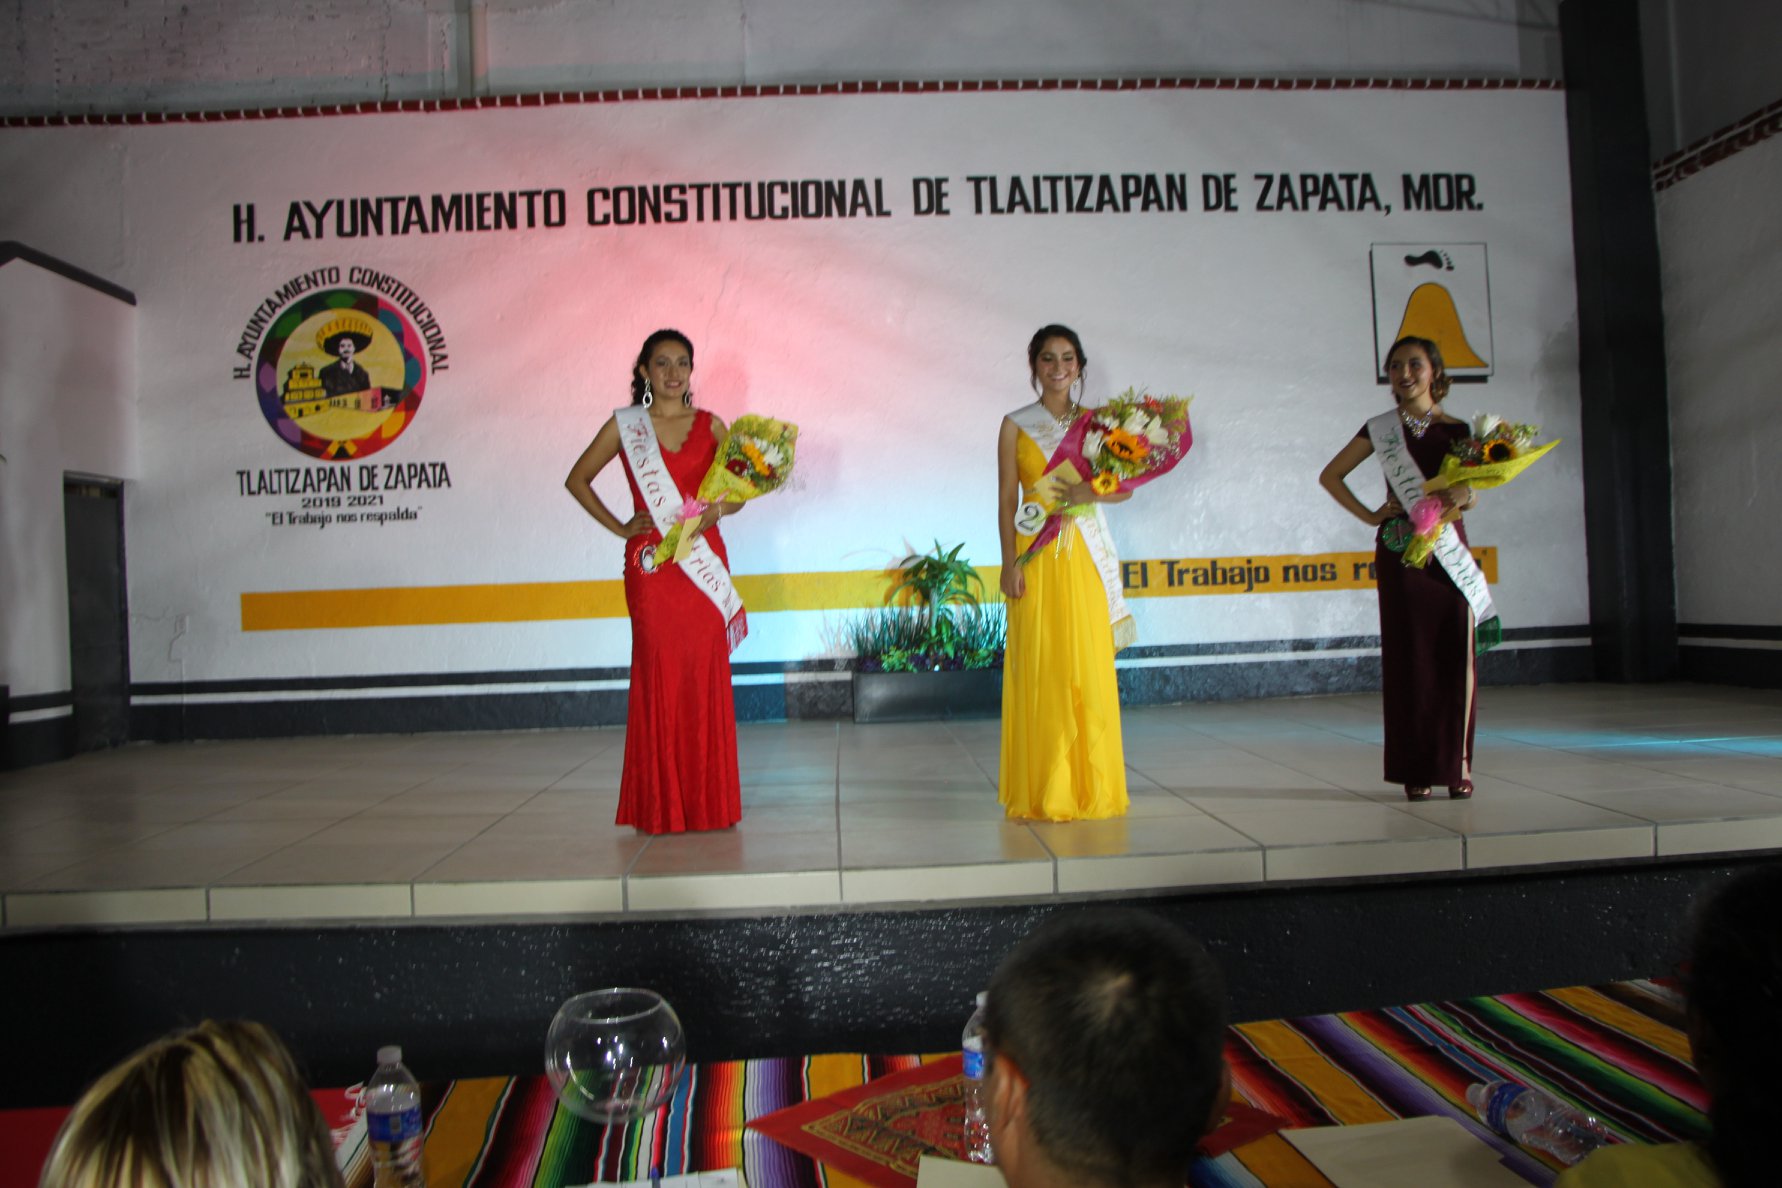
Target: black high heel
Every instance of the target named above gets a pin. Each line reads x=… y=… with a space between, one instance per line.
x=1461 y=791
x=1415 y=794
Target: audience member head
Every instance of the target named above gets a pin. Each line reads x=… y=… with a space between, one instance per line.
x=1106 y=1031
x=1735 y=1022
x=218 y=1106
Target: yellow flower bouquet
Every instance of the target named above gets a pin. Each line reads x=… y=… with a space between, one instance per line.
x=755 y=459
x=1496 y=452
x=1127 y=442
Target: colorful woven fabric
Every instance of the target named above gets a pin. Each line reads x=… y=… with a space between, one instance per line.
x=879 y=1132
x=1617 y=1051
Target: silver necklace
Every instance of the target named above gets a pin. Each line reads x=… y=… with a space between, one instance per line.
x=1418 y=425
x=1063 y=420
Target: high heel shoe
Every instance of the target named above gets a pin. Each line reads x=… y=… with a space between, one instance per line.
x=1461 y=791
x=1416 y=793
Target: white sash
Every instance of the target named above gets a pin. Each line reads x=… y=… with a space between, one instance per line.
x=1406 y=481
x=1092 y=526
x=643 y=454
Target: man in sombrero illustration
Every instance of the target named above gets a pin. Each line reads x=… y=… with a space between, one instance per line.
x=344 y=337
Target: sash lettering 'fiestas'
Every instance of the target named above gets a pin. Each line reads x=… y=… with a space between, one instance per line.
x=637 y=437
x=1405 y=480
x=755 y=459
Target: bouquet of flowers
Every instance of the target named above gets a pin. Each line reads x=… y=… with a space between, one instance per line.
x=755 y=458
x=1497 y=452
x=1127 y=442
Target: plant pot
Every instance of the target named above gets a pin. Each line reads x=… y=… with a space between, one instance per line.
x=925 y=696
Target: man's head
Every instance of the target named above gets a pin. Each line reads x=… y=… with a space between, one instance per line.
x=1106 y=1031
x=1735 y=1021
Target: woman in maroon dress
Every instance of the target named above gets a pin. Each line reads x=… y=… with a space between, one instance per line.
x=680 y=723
x=1426 y=626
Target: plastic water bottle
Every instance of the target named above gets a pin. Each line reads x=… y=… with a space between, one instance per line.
x=977 y=1123
x=1536 y=1119
x=393 y=1122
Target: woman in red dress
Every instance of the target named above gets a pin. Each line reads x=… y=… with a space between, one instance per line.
x=680 y=724
x=1427 y=679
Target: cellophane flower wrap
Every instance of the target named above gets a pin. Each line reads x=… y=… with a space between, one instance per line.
x=1494 y=453
x=754 y=459
x=1124 y=444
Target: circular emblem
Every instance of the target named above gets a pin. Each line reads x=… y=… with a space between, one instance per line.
x=340 y=374
x=1396 y=534
x=1030 y=519
x=646 y=559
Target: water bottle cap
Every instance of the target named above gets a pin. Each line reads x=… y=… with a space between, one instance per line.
x=1501 y=1096
x=390 y=1054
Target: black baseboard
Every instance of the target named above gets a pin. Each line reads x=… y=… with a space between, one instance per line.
x=44 y=740
x=174 y=722
x=1755 y=668
x=780 y=696
x=475 y=999
x=1246 y=680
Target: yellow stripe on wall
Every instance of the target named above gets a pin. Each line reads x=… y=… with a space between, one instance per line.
x=527 y=602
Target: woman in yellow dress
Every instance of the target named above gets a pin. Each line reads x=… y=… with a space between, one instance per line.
x=1062 y=758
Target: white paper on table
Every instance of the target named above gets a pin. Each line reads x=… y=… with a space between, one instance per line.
x=1431 y=1152
x=935 y=1172
x=729 y=1178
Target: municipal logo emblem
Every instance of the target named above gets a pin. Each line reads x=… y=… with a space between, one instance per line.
x=341 y=374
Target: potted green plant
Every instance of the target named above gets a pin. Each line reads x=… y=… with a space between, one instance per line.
x=933 y=650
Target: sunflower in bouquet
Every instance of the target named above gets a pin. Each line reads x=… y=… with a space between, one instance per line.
x=1494 y=453
x=1127 y=442
x=754 y=460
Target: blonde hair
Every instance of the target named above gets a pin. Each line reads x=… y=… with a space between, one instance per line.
x=218 y=1106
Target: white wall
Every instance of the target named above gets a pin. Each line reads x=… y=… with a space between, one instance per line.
x=67 y=403
x=859 y=330
x=1720 y=243
x=893 y=341
x=75 y=56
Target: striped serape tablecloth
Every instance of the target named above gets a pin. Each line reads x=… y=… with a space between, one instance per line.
x=1617 y=1051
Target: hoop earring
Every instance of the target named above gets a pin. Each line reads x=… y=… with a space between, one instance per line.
x=687 y=398
x=649 y=397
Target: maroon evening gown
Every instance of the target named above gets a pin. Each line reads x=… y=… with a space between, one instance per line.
x=680 y=720
x=1426 y=652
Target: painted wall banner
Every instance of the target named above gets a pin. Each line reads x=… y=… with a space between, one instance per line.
x=360 y=390
x=339 y=371
x=330 y=610
x=1441 y=292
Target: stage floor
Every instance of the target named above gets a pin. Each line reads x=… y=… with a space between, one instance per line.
x=835 y=815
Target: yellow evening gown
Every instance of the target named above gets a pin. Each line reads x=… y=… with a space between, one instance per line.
x=1061 y=753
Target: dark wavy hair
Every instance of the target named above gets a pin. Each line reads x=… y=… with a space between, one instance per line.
x=1117 y=1021
x=1439 y=383
x=649 y=348
x=1734 y=989
x=1039 y=340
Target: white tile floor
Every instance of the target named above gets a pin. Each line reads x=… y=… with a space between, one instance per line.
x=511 y=825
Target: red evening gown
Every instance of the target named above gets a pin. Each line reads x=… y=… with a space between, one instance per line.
x=680 y=721
x=1427 y=680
